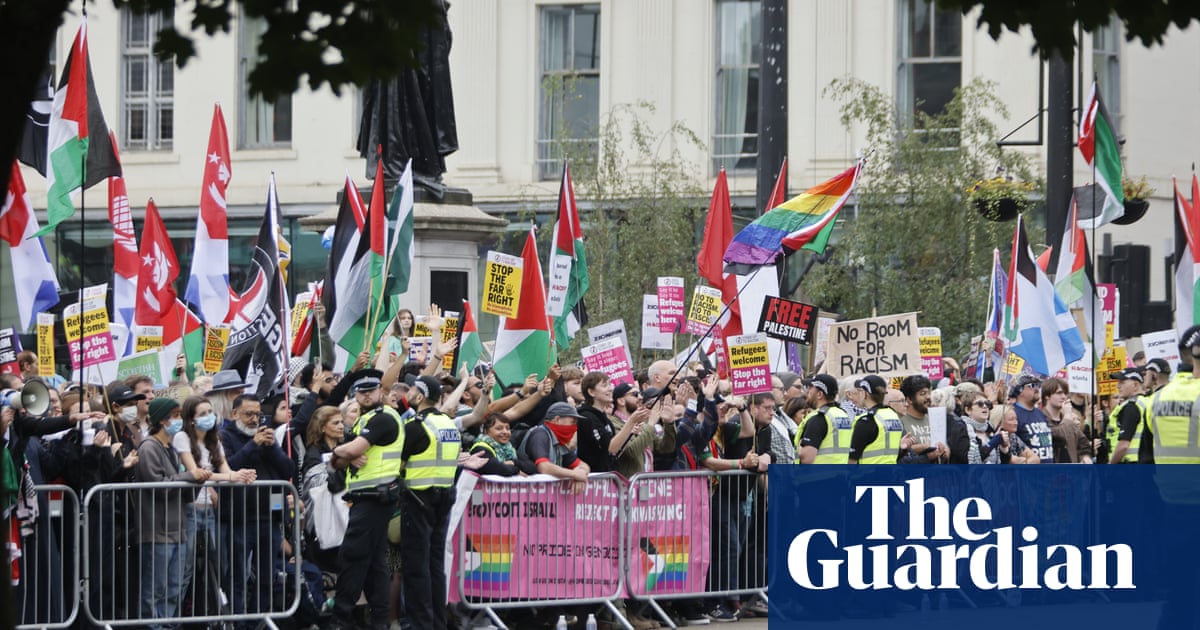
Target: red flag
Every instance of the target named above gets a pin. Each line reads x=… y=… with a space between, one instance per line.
x=1043 y=261
x=159 y=269
x=125 y=247
x=378 y=212
x=779 y=192
x=718 y=231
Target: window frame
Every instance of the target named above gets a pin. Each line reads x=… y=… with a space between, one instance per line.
x=153 y=101
x=1106 y=68
x=249 y=106
x=907 y=61
x=548 y=155
x=740 y=161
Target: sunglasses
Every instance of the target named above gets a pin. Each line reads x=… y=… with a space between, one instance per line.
x=983 y=403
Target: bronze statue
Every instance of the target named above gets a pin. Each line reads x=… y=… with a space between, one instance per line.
x=412 y=114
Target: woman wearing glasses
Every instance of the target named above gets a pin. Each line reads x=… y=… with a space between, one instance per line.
x=985 y=443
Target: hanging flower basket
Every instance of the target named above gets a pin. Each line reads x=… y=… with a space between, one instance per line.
x=999 y=199
x=1137 y=193
x=1134 y=209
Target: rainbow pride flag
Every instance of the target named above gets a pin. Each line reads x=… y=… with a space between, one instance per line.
x=488 y=563
x=804 y=221
x=665 y=561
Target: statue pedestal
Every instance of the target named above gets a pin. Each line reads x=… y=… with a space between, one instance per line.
x=447 y=234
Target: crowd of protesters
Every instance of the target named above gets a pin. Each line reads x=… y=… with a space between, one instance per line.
x=374 y=454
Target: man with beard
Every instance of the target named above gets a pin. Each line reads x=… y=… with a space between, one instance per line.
x=626 y=398
x=915 y=421
x=1031 y=422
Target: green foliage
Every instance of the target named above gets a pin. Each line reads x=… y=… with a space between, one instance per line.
x=917 y=244
x=642 y=206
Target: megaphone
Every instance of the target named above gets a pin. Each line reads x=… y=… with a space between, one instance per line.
x=33 y=399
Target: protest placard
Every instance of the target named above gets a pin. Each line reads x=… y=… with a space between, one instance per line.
x=45 y=344
x=749 y=364
x=885 y=346
x=608 y=356
x=610 y=330
x=144 y=363
x=653 y=338
x=930 y=341
x=1112 y=361
x=706 y=307
x=670 y=304
x=1013 y=365
x=420 y=348
x=1108 y=307
x=147 y=338
x=1163 y=344
x=502 y=284
x=449 y=333
x=9 y=347
x=91 y=321
x=787 y=320
x=300 y=311
x=215 y=340
x=821 y=348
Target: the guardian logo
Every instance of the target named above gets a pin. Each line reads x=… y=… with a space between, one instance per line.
x=987 y=558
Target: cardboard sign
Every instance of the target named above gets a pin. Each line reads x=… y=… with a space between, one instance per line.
x=930 y=341
x=608 y=356
x=1079 y=376
x=612 y=330
x=749 y=364
x=560 y=281
x=824 y=323
x=502 y=284
x=147 y=338
x=885 y=346
x=706 y=308
x=45 y=344
x=653 y=338
x=449 y=333
x=1108 y=306
x=1163 y=344
x=670 y=304
x=788 y=320
x=96 y=344
x=9 y=347
x=1112 y=361
x=215 y=340
x=145 y=363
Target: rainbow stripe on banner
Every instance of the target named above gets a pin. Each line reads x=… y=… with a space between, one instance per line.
x=804 y=221
x=665 y=560
x=488 y=563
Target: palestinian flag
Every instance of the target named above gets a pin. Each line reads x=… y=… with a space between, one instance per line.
x=568 y=267
x=392 y=249
x=348 y=277
x=1098 y=144
x=1187 y=257
x=80 y=153
x=523 y=343
x=182 y=332
x=470 y=346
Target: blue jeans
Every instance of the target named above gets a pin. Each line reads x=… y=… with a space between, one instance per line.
x=162 y=580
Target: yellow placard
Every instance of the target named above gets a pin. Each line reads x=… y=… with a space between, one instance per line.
x=45 y=344
x=1112 y=361
x=449 y=331
x=95 y=319
x=148 y=338
x=748 y=355
x=215 y=340
x=300 y=313
x=420 y=328
x=502 y=285
x=1013 y=365
x=930 y=346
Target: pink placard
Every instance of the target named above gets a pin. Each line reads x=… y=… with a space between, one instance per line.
x=609 y=356
x=97 y=349
x=749 y=364
x=670 y=304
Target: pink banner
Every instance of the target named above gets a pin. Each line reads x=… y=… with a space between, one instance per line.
x=96 y=349
x=668 y=535
x=532 y=538
x=670 y=304
x=609 y=356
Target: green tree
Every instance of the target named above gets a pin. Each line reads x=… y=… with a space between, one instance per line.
x=915 y=243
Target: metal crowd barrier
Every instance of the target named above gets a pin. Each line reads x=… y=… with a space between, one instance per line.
x=666 y=561
x=514 y=551
x=159 y=554
x=45 y=595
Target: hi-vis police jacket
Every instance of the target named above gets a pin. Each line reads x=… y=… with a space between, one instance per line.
x=835 y=448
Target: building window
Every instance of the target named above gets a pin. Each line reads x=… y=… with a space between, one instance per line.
x=262 y=123
x=739 y=47
x=1106 y=63
x=570 y=86
x=930 y=58
x=147 y=84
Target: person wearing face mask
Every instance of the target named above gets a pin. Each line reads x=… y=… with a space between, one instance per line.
x=160 y=513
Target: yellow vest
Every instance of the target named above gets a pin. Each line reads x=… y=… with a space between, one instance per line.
x=1175 y=421
x=835 y=448
x=434 y=467
x=383 y=462
x=1113 y=430
x=885 y=446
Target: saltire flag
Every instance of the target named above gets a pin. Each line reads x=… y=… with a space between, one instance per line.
x=208 y=281
x=802 y=222
x=1098 y=145
x=348 y=277
x=1037 y=324
x=568 y=267
x=1187 y=258
x=779 y=192
x=34 y=280
x=470 y=346
x=523 y=345
x=126 y=261
x=257 y=346
x=79 y=151
x=718 y=232
x=1073 y=278
x=158 y=271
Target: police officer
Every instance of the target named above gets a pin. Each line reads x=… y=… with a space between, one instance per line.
x=824 y=434
x=372 y=457
x=1174 y=409
x=1125 y=424
x=432 y=443
x=877 y=432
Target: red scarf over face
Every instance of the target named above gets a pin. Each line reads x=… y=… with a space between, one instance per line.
x=564 y=432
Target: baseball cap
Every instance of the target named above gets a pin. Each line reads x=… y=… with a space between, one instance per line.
x=121 y=394
x=621 y=390
x=562 y=409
